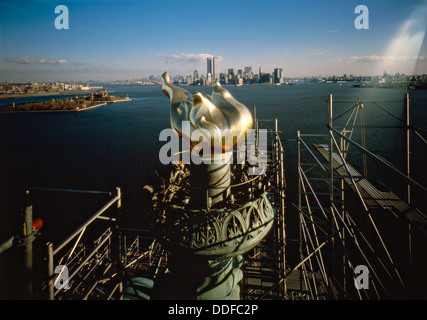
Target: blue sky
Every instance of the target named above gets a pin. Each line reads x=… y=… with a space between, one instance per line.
x=109 y=40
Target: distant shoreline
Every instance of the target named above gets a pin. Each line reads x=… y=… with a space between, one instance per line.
x=43 y=94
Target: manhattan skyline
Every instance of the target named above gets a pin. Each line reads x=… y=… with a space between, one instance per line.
x=112 y=40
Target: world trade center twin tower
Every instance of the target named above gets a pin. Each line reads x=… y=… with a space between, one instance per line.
x=212 y=68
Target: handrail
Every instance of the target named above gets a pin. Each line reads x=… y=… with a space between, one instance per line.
x=380 y=160
x=79 y=232
x=88 y=222
x=82 y=264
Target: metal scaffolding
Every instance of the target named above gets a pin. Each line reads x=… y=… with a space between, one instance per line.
x=83 y=269
x=345 y=216
x=265 y=265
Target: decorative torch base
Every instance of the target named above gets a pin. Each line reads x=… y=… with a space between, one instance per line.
x=200 y=279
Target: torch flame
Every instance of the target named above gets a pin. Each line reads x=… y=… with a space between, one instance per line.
x=219 y=114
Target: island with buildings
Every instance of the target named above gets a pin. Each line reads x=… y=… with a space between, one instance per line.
x=10 y=90
x=69 y=104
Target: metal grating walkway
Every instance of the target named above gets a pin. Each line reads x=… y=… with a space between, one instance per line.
x=373 y=197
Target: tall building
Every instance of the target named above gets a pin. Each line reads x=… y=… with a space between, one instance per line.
x=196 y=74
x=230 y=76
x=209 y=66
x=278 y=75
x=248 y=69
x=212 y=67
x=215 y=69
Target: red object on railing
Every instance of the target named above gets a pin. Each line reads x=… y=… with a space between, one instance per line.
x=37 y=224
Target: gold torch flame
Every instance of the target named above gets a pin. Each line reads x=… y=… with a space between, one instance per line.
x=218 y=114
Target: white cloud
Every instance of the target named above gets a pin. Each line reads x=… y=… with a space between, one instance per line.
x=317 y=52
x=31 y=60
x=186 y=57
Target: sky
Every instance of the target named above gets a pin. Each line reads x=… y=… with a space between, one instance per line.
x=132 y=39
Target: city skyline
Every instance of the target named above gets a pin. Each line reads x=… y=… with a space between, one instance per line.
x=112 y=40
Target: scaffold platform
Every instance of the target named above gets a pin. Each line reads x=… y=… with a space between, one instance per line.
x=373 y=197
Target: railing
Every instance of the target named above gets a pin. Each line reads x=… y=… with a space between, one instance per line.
x=73 y=261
